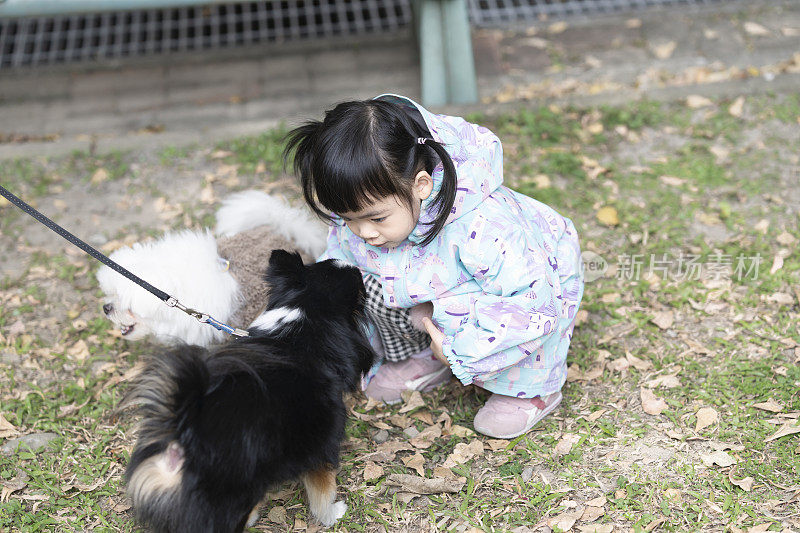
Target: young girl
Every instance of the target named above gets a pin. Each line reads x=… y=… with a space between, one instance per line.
x=416 y=200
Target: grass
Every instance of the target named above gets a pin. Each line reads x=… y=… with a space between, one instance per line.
x=731 y=345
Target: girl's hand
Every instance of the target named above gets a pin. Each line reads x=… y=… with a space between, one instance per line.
x=437 y=338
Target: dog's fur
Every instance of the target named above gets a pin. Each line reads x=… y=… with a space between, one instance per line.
x=219 y=276
x=221 y=426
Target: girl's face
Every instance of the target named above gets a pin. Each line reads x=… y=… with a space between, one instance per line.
x=387 y=222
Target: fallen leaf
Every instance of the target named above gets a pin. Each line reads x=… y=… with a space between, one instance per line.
x=745 y=484
x=425 y=439
x=207 y=195
x=277 y=514
x=781 y=298
x=79 y=350
x=638 y=364
x=777 y=264
x=719 y=458
x=600 y=501
x=695 y=101
x=736 y=107
x=706 y=416
x=596 y=528
x=786 y=239
x=564 y=521
x=463 y=453
x=415 y=462
x=565 y=444
x=497 y=445
x=667 y=381
x=413 y=400
x=754 y=28
x=770 y=405
x=592 y=513
x=372 y=471
x=619 y=365
x=100 y=175
x=788 y=428
x=7 y=429
x=608 y=216
x=18 y=482
x=762 y=226
x=663 y=319
x=421 y=485
x=664 y=50
x=759 y=528
x=459 y=431
x=650 y=403
x=672 y=181
x=557 y=27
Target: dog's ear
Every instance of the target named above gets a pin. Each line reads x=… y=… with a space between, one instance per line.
x=285 y=265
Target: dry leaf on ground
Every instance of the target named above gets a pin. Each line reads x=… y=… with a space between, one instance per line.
x=415 y=462
x=277 y=514
x=770 y=405
x=596 y=528
x=372 y=471
x=564 y=521
x=719 y=458
x=608 y=216
x=706 y=416
x=421 y=485
x=695 y=101
x=745 y=484
x=666 y=382
x=754 y=28
x=650 y=403
x=664 y=50
x=413 y=400
x=788 y=428
x=463 y=453
x=7 y=429
x=663 y=319
x=565 y=444
x=737 y=107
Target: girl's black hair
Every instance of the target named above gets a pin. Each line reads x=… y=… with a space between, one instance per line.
x=364 y=151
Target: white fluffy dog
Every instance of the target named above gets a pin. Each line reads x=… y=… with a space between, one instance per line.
x=221 y=276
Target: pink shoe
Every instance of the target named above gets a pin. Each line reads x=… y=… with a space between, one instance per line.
x=506 y=417
x=421 y=372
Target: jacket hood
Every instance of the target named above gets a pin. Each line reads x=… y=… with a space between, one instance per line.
x=477 y=156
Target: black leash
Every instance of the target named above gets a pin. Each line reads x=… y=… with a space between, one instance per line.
x=158 y=293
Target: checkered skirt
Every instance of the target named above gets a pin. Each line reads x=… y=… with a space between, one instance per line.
x=399 y=338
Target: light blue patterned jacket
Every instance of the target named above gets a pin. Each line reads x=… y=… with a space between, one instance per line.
x=504 y=274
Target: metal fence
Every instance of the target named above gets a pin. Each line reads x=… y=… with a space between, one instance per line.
x=60 y=39
x=498 y=12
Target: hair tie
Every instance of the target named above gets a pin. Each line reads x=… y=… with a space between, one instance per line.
x=421 y=140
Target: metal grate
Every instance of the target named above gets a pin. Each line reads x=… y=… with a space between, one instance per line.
x=49 y=40
x=498 y=12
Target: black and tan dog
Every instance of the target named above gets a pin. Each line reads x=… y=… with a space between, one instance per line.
x=221 y=426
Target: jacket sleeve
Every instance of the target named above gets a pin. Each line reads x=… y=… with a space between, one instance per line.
x=334 y=249
x=514 y=312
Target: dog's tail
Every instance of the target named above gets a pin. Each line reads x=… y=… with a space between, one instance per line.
x=246 y=210
x=167 y=395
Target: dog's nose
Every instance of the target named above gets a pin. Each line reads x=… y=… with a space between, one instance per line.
x=107 y=308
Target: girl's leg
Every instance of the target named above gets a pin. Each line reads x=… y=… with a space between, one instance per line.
x=408 y=363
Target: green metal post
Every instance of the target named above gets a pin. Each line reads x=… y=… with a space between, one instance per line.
x=447 y=65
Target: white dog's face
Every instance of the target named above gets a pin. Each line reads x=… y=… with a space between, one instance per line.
x=186 y=266
x=132 y=326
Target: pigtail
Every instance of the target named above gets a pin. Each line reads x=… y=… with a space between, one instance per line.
x=446 y=196
x=301 y=143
